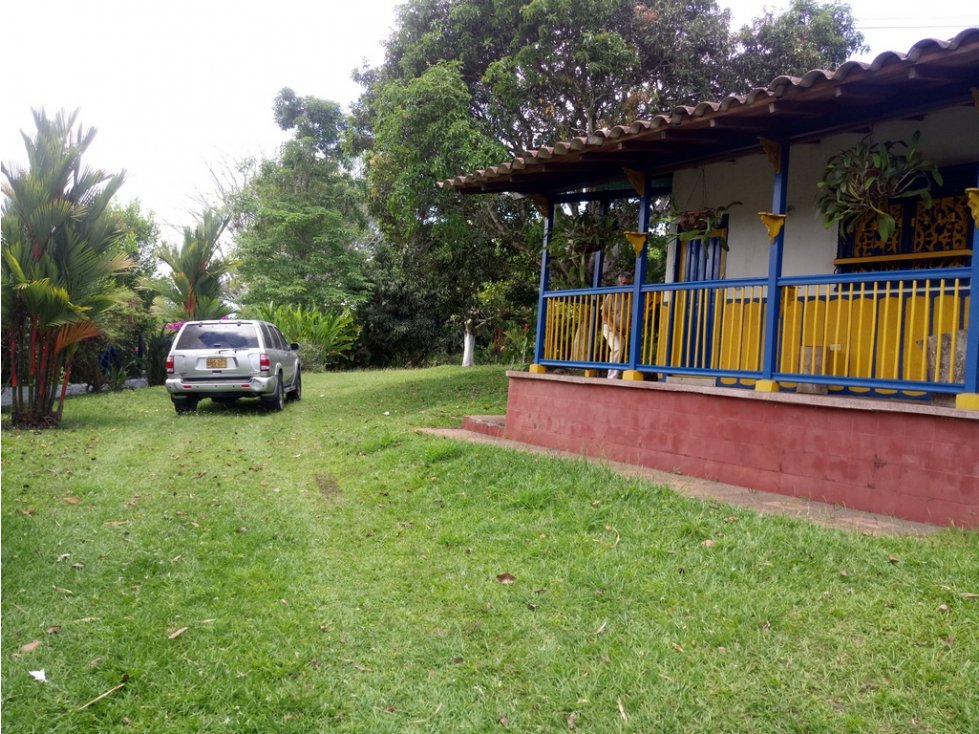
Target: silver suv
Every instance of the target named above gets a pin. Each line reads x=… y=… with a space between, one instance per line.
x=230 y=359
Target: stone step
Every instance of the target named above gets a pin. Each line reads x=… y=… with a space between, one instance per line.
x=488 y=425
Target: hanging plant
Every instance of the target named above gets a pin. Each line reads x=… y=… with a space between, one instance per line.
x=576 y=238
x=862 y=180
x=698 y=224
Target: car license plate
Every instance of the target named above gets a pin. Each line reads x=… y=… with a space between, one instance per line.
x=215 y=363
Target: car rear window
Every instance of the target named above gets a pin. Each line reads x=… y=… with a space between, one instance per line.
x=218 y=336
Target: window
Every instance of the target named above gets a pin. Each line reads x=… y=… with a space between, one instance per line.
x=936 y=237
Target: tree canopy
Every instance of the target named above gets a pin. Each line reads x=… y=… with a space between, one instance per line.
x=464 y=83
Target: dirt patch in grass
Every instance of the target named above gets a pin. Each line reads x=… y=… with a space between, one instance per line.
x=328 y=487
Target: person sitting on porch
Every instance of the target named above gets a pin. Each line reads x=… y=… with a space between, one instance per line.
x=615 y=322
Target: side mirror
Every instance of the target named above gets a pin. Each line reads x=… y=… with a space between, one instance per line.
x=294 y=346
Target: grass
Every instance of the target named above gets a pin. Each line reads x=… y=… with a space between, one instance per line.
x=337 y=570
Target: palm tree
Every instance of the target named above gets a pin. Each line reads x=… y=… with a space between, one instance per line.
x=194 y=287
x=59 y=263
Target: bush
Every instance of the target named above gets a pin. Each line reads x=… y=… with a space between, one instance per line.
x=326 y=336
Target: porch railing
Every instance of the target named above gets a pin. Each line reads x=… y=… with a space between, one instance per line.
x=888 y=331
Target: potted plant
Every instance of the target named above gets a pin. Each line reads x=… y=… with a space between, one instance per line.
x=698 y=224
x=861 y=181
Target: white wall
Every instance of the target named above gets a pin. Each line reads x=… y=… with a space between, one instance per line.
x=948 y=137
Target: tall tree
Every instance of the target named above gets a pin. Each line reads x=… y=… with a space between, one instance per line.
x=194 y=288
x=299 y=219
x=809 y=35
x=59 y=263
x=320 y=121
x=520 y=74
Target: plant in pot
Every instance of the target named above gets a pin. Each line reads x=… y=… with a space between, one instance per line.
x=697 y=224
x=576 y=238
x=861 y=181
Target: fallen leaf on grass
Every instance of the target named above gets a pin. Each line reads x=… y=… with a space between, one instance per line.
x=504 y=721
x=38 y=675
x=115 y=523
x=572 y=721
x=893 y=559
x=53 y=629
x=967 y=595
x=78 y=565
x=30 y=646
x=173 y=634
x=63 y=591
x=506 y=578
x=622 y=713
x=601 y=627
x=72 y=500
x=678 y=647
x=708 y=543
x=62 y=557
x=176 y=558
x=944 y=608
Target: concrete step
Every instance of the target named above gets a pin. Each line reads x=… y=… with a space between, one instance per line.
x=488 y=425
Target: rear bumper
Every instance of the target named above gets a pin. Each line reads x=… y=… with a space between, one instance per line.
x=180 y=389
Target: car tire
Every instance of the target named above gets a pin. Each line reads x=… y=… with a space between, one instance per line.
x=185 y=406
x=297 y=387
x=277 y=400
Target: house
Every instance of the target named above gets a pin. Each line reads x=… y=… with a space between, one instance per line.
x=835 y=363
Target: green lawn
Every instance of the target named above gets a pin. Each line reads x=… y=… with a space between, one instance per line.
x=337 y=570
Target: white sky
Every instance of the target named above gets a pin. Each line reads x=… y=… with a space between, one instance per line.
x=182 y=87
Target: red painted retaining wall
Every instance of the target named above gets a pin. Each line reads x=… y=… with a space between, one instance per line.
x=918 y=462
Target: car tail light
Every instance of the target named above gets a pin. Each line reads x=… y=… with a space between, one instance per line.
x=264 y=363
x=170 y=364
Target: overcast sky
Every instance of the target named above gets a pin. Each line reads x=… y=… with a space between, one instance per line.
x=182 y=87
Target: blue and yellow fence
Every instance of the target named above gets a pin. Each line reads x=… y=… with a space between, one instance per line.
x=884 y=332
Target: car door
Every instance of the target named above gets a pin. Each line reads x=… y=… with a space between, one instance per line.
x=289 y=357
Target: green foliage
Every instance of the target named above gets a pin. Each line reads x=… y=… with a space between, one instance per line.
x=158 y=344
x=298 y=224
x=194 y=288
x=576 y=238
x=696 y=224
x=61 y=263
x=464 y=83
x=319 y=122
x=326 y=337
x=809 y=35
x=859 y=182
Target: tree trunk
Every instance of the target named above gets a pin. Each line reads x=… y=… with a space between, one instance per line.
x=468 y=345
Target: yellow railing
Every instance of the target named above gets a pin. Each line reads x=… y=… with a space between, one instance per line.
x=858 y=330
x=908 y=330
x=709 y=328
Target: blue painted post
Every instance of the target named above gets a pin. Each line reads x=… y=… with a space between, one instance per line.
x=969 y=399
x=779 y=194
x=545 y=274
x=635 y=339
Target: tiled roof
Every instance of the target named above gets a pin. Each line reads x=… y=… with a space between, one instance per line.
x=931 y=74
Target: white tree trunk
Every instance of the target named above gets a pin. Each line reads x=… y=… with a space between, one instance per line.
x=468 y=345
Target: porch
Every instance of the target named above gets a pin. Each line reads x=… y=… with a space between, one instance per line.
x=772 y=362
